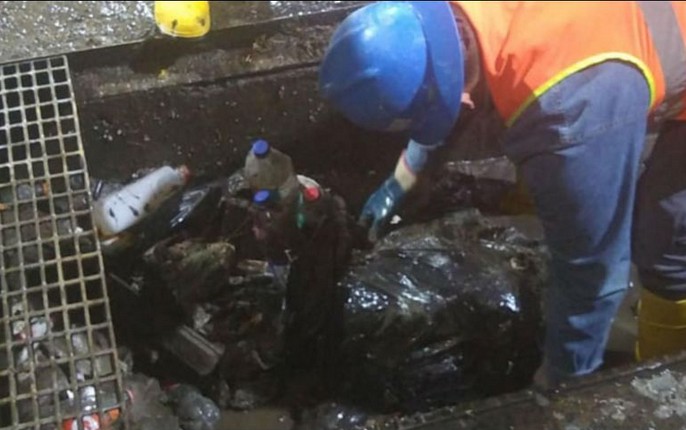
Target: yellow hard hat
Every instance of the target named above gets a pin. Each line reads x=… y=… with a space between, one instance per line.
x=186 y=19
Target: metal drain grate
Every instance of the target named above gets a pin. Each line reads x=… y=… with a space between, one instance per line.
x=58 y=364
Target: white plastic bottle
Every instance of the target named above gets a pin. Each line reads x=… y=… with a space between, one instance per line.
x=122 y=209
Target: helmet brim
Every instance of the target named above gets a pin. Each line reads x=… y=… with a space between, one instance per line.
x=446 y=61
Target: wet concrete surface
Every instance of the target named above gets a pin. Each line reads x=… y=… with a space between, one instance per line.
x=161 y=63
x=651 y=396
x=244 y=12
x=39 y=28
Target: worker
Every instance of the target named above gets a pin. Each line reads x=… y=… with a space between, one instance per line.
x=580 y=87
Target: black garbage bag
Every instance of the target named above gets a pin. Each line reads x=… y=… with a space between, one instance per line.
x=442 y=312
x=193 y=211
x=314 y=306
x=489 y=185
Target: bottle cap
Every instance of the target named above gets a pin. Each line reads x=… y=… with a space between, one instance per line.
x=185 y=172
x=311 y=194
x=262 y=197
x=260 y=148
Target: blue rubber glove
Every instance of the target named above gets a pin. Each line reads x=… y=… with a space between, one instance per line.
x=386 y=201
x=381 y=207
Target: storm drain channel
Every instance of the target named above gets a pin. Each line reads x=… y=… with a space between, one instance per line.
x=58 y=365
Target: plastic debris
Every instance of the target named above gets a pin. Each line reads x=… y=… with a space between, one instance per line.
x=195 y=412
x=147 y=406
x=193 y=349
x=124 y=208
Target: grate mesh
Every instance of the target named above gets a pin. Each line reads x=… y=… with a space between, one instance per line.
x=58 y=364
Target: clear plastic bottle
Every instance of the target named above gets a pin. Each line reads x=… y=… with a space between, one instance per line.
x=267 y=168
x=122 y=209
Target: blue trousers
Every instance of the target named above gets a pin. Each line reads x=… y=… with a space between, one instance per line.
x=659 y=239
x=578 y=149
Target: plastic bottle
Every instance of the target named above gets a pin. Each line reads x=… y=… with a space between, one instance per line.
x=267 y=168
x=271 y=225
x=122 y=209
x=264 y=201
x=312 y=203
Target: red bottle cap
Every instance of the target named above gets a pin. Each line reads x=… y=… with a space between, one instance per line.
x=311 y=194
x=185 y=173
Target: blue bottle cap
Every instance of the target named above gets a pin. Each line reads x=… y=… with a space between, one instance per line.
x=262 y=197
x=260 y=148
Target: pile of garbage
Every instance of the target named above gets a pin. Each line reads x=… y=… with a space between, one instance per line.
x=209 y=272
x=151 y=406
x=260 y=289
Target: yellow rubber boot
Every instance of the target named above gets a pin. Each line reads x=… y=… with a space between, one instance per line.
x=661 y=326
x=187 y=19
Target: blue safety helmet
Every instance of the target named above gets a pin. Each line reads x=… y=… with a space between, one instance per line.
x=397 y=66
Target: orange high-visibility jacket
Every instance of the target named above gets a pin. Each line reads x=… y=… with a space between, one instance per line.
x=527 y=47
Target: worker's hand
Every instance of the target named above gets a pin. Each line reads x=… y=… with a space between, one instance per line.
x=385 y=201
x=380 y=207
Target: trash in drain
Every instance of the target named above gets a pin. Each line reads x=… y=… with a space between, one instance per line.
x=259 y=289
x=250 y=292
